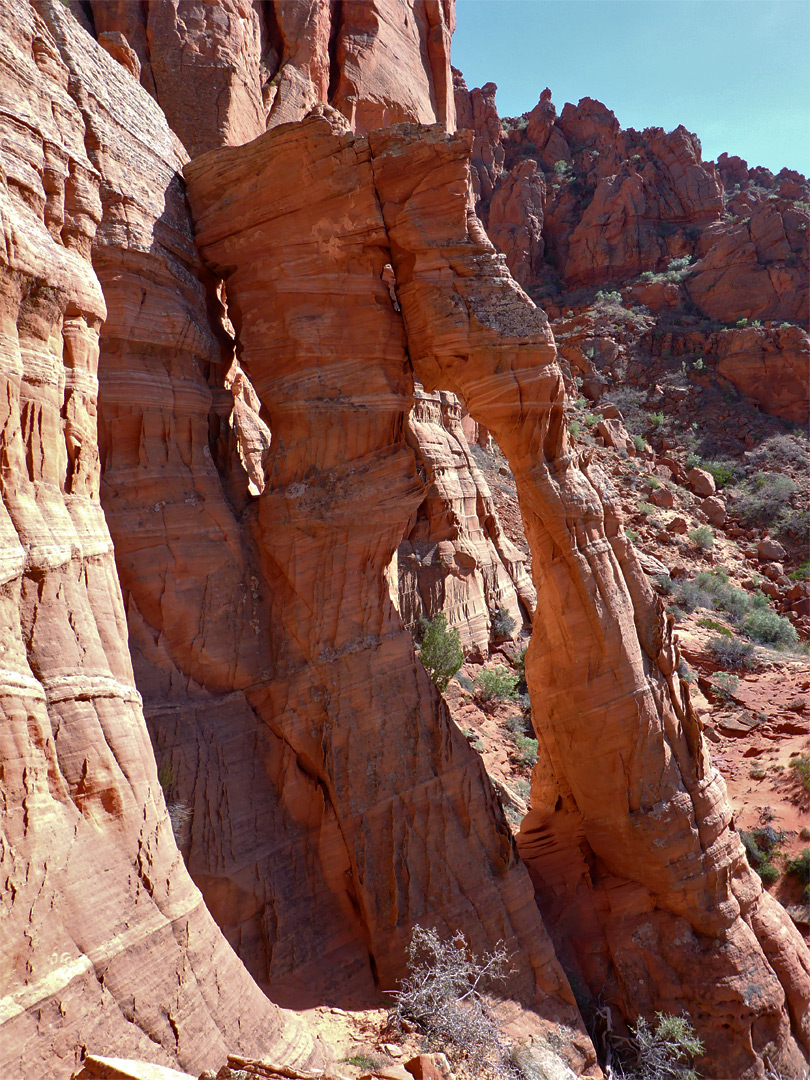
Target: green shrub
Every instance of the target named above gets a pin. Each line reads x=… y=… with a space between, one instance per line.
x=496 y=684
x=726 y=683
x=731 y=652
x=702 y=537
x=574 y=427
x=768 y=628
x=640 y=443
x=763 y=500
x=761 y=846
x=647 y=509
x=713 y=624
x=800 y=868
x=801 y=766
x=440 y=650
x=503 y=624
x=653 y=483
x=657 y=419
x=367 y=1062
x=665 y=1052
x=562 y=168
x=723 y=472
x=768 y=872
x=527 y=749
x=631 y=535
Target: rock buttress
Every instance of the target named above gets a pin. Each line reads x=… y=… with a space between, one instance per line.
x=292 y=222
x=105 y=942
x=629 y=839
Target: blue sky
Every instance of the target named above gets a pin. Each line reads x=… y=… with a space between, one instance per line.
x=736 y=72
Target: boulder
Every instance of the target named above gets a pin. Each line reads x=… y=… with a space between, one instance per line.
x=701 y=482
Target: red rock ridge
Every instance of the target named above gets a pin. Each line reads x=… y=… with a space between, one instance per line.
x=612 y=207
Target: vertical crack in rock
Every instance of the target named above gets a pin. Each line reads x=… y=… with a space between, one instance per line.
x=683 y=920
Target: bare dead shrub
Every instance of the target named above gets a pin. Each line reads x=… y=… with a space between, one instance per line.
x=442 y=997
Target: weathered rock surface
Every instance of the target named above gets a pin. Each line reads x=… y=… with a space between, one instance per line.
x=224 y=71
x=413 y=807
x=771 y=367
x=610 y=207
x=455 y=557
x=105 y=941
x=604 y=817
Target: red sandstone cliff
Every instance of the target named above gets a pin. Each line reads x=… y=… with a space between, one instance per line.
x=105 y=940
x=322 y=797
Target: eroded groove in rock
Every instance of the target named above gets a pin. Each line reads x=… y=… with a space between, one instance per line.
x=292 y=222
x=625 y=799
x=105 y=942
x=455 y=558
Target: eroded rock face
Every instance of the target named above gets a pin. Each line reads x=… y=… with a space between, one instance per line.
x=576 y=202
x=348 y=698
x=105 y=941
x=770 y=367
x=455 y=557
x=632 y=818
x=224 y=71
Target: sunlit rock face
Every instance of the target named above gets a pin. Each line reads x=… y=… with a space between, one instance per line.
x=105 y=941
x=455 y=558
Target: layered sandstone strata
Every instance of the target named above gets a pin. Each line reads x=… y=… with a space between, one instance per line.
x=455 y=557
x=105 y=941
x=424 y=836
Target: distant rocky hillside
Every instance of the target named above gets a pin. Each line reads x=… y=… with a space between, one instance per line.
x=716 y=253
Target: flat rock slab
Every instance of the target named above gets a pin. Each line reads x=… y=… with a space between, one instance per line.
x=109 y=1068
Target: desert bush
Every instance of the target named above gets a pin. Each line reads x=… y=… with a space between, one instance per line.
x=781 y=450
x=574 y=428
x=768 y=628
x=502 y=623
x=442 y=996
x=801 y=766
x=647 y=508
x=722 y=471
x=657 y=419
x=665 y=1051
x=800 y=868
x=440 y=650
x=527 y=749
x=496 y=684
x=640 y=443
x=726 y=683
x=702 y=537
x=763 y=500
x=761 y=846
x=731 y=652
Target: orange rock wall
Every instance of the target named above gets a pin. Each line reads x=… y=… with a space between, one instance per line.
x=425 y=836
x=455 y=557
x=627 y=811
x=105 y=942
x=224 y=71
